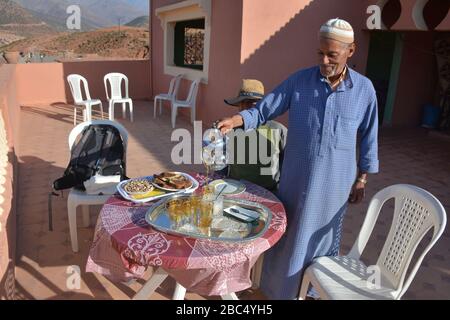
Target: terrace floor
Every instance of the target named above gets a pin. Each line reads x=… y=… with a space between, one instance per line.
x=409 y=156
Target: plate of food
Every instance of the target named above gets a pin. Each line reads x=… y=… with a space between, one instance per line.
x=173 y=181
x=138 y=187
x=142 y=190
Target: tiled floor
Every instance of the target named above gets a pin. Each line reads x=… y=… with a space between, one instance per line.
x=44 y=257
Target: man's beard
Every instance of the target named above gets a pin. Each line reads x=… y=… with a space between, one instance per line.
x=329 y=71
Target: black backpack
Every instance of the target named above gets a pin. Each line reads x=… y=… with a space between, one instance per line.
x=100 y=150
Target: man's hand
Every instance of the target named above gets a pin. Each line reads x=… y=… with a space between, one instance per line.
x=228 y=124
x=358 y=193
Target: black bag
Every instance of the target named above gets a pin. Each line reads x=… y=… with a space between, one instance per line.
x=100 y=150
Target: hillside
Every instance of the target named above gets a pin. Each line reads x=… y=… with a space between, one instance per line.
x=132 y=43
x=17 y=22
x=11 y=13
x=95 y=13
x=8 y=37
x=54 y=13
x=140 y=22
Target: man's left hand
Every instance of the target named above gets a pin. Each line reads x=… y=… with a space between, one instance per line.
x=358 y=193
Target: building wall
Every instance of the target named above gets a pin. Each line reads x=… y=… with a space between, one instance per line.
x=280 y=37
x=279 y=44
x=43 y=83
x=224 y=72
x=263 y=39
x=269 y=40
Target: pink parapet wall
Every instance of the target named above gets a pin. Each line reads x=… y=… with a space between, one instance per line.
x=42 y=83
x=9 y=132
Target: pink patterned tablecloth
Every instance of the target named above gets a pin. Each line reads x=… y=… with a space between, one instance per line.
x=124 y=246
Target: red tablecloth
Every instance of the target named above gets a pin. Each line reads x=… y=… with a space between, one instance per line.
x=124 y=246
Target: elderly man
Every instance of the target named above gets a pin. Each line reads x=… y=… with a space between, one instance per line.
x=329 y=105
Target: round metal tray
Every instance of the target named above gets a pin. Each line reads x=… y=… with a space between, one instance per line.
x=158 y=217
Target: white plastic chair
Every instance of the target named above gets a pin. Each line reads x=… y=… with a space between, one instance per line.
x=80 y=198
x=75 y=81
x=188 y=103
x=347 y=278
x=115 y=81
x=170 y=96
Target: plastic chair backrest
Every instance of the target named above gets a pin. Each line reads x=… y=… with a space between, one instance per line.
x=79 y=128
x=416 y=212
x=115 y=80
x=174 y=86
x=192 y=96
x=75 y=81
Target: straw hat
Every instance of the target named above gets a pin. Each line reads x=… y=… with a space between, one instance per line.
x=250 y=90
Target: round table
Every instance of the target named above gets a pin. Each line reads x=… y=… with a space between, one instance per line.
x=125 y=245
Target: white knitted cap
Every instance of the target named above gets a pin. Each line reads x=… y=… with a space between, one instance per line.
x=338 y=29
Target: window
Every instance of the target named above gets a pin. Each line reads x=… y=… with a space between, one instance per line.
x=187 y=31
x=189 y=44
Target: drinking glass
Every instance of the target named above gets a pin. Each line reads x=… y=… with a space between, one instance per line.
x=173 y=213
x=218 y=206
x=206 y=216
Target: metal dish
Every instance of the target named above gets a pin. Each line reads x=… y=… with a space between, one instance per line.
x=228 y=187
x=235 y=231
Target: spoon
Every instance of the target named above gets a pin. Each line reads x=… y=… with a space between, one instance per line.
x=253 y=222
x=224 y=187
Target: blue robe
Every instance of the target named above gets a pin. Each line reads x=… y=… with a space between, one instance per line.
x=319 y=168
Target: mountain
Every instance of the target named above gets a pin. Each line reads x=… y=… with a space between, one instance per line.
x=11 y=13
x=94 y=13
x=17 y=22
x=114 y=12
x=141 y=22
x=129 y=43
x=54 y=13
